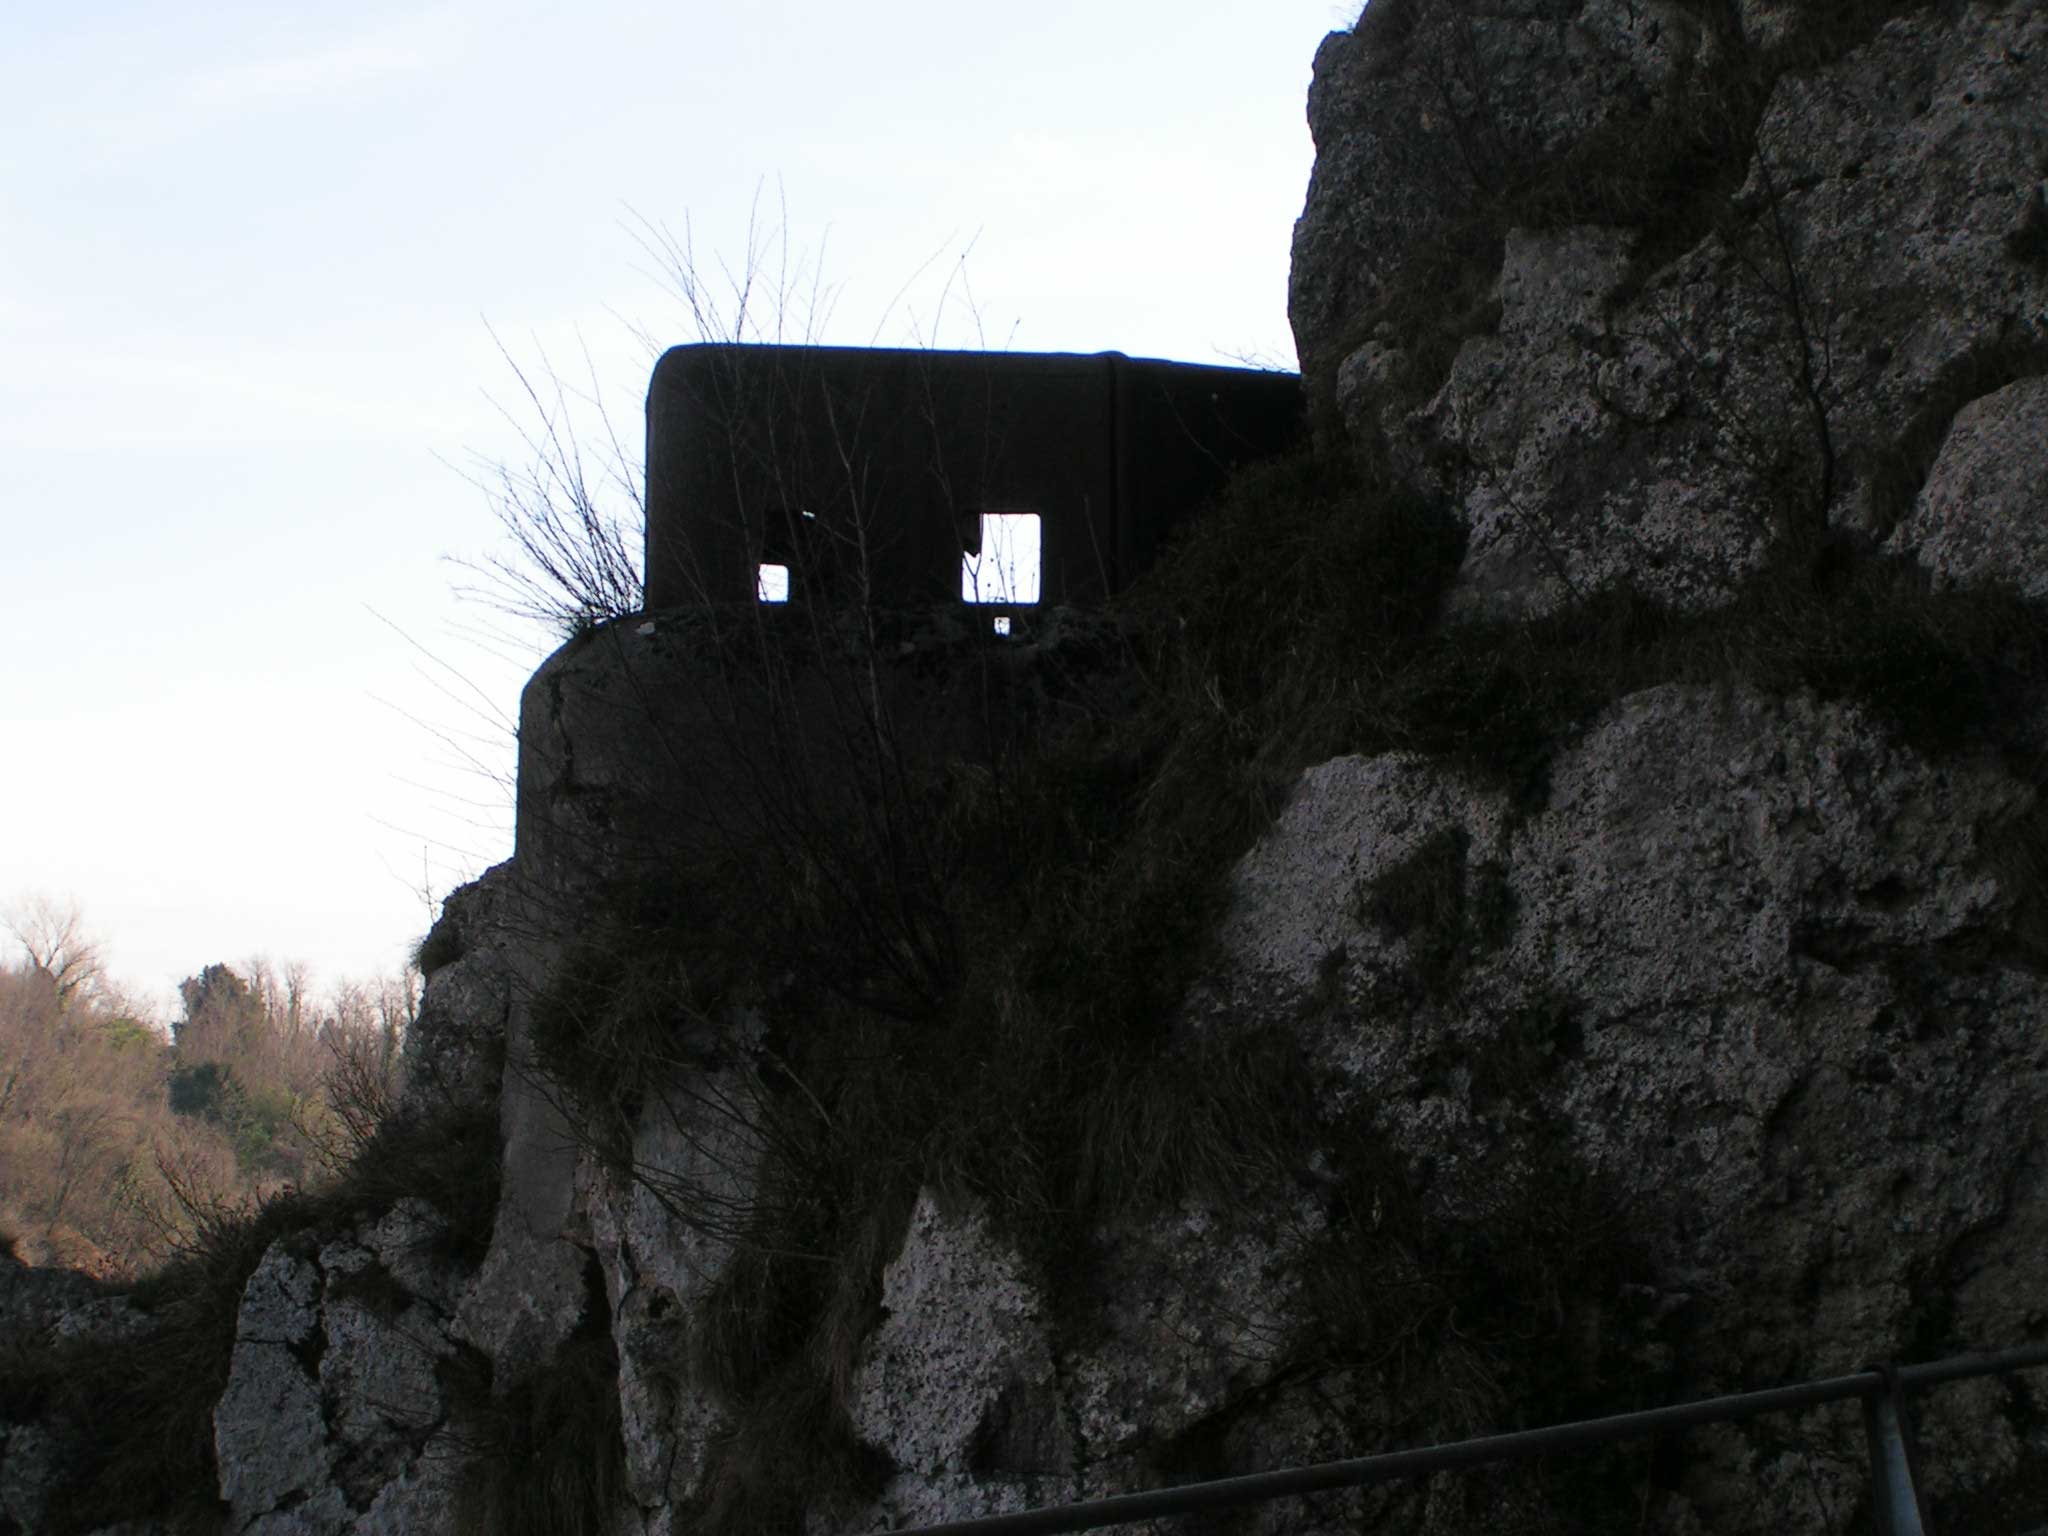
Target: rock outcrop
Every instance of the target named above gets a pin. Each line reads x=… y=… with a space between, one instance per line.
x=1757 y=962
x=1729 y=278
x=45 y=1308
x=894 y=1124
x=334 y=1418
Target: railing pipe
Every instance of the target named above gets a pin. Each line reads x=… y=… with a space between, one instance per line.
x=1894 y=1492
x=1520 y=1445
x=1957 y=1367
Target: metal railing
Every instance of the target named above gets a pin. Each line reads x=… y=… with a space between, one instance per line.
x=1894 y=1493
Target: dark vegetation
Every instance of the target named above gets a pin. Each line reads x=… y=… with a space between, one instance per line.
x=442 y=946
x=542 y=1454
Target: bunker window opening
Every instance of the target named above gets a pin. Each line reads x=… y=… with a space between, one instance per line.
x=1004 y=566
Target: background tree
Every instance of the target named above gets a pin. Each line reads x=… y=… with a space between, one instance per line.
x=54 y=935
x=117 y=1134
x=79 y=1085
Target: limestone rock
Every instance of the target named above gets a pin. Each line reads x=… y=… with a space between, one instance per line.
x=1757 y=959
x=962 y=1320
x=334 y=1419
x=1589 y=446
x=455 y=1050
x=1425 y=109
x=44 y=1311
x=29 y=1471
x=38 y=1303
x=1744 y=990
x=270 y=1435
x=529 y=1294
x=958 y=1386
x=695 y=1151
x=1983 y=514
x=1900 y=176
x=1176 y=1342
x=1662 y=424
x=527 y=1298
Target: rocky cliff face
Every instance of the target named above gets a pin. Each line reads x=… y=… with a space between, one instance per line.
x=1540 y=910
x=1719 y=278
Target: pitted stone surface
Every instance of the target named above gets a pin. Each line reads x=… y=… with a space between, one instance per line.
x=333 y=1422
x=377 y=1378
x=270 y=1433
x=528 y=1295
x=1180 y=1341
x=1901 y=175
x=30 y=1460
x=1761 y=966
x=962 y=1362
x=1768 y=977
x=1418 y=116
x=455 y=1050
x=696 y=1149
x=1663 y=430
x=1982 y=517
x=1349 y=820
x=1588 y=447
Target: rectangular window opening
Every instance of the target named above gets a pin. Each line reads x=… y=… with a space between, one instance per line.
x=771 y=583
x=1004 y=568
x=1002 y=622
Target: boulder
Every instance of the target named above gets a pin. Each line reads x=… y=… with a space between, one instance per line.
x=334 y=1421
x=1982 y=516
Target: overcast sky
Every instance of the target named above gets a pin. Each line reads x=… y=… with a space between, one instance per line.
x=251 y=263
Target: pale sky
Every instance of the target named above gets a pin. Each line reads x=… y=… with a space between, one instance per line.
x=251 y=261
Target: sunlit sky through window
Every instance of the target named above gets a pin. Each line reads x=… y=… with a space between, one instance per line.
x=1005 y=569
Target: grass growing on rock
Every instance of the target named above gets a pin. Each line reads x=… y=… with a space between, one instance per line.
x=542 y=1454
x=1039 y=1064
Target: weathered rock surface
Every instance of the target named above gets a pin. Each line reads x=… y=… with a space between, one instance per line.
x=1902 y=179
x=1659 y=421
x=334 y=1419
x=1589 y=446
x=1759 y=961
x=1424 y=110
x=1982 y=516
x=958 y=1386
x=41 y=1304
x=695 y=1149
x=455 y=1053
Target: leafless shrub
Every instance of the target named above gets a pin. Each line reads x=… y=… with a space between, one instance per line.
x=574 y=557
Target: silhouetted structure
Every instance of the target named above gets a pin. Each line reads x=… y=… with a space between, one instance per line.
x=867 y=473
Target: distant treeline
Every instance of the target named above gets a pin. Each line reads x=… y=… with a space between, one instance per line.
x=119 y=1135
